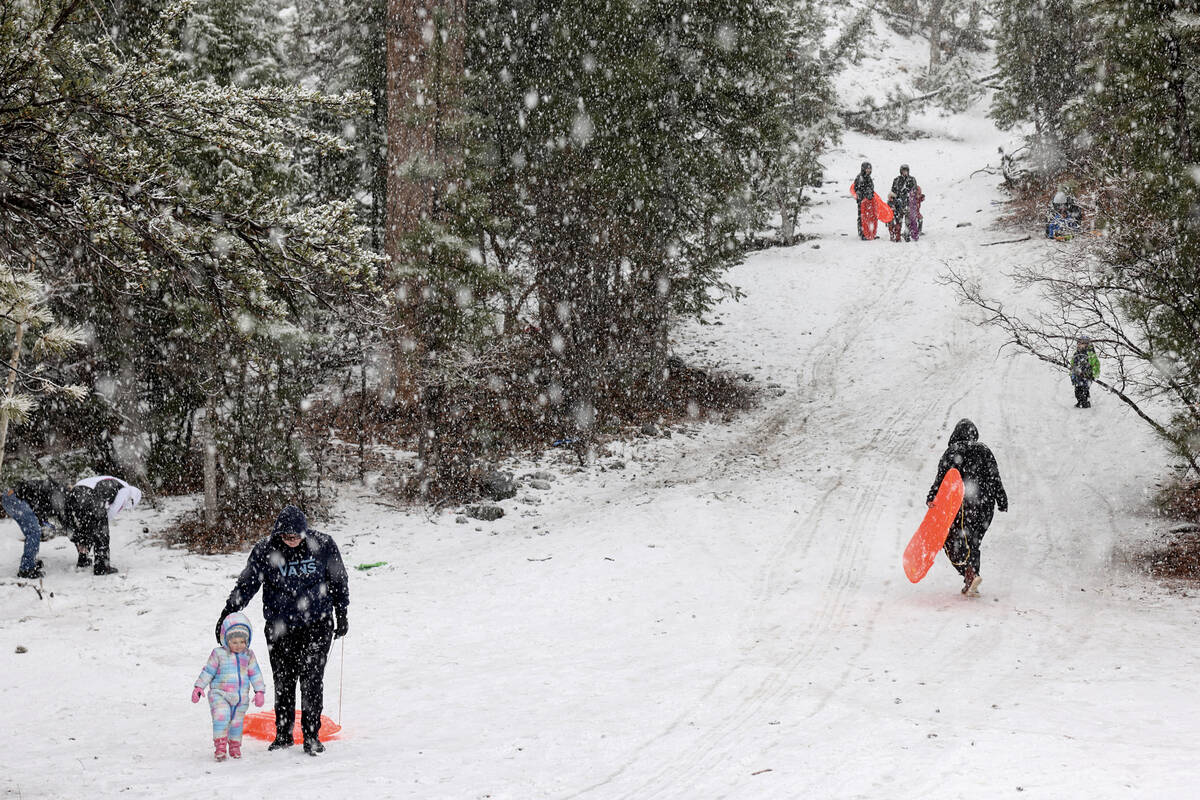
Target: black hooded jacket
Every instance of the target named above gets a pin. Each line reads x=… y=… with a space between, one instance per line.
x=984 y=491
x=301 y=585
x=864 y=187
x=902 y=187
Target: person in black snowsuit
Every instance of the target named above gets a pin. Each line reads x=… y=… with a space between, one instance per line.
x=903 y=185
x=864 y=189
x=983 y=492
x=306 y=598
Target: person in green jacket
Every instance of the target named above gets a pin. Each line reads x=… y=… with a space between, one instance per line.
x=1085 y=368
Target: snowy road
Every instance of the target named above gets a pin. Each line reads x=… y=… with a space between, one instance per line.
x=724 y=617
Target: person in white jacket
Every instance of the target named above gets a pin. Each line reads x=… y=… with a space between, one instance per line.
x=128 y=496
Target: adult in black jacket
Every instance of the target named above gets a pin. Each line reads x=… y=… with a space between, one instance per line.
x=902 y=186
x=864 y=189
x=984 y=492
x=305 y=601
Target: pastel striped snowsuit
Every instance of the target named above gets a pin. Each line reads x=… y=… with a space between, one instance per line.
x=233 y=678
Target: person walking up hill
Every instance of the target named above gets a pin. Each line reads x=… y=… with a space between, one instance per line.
x=983 y=492
x=864 y=196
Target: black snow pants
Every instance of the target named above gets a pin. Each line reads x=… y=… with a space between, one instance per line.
x=1082 y=394
x=87 y=519
x=300 y=654
x=966 y=538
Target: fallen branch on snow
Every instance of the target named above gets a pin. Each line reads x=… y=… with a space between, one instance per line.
x=1006 y=241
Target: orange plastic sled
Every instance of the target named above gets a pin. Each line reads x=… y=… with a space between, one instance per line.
x=261 y=725
x=928 y=540
x=882 y=210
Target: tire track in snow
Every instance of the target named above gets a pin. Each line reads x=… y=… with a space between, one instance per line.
x=889 y=439
x=825 y=357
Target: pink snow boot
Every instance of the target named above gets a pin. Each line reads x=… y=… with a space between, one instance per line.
x=235 y=749
x=219 y=748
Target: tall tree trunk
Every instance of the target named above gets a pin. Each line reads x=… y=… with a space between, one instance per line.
x=935 y=32
x=208 y=440
x=425 y=49
x=1179 y=94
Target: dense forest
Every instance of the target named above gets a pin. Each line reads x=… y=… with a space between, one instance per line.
x=233 y=233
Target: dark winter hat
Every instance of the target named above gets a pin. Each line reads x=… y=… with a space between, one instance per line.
x=964 y=431
x=904 y=167
x=866 y=165
x=290 y=521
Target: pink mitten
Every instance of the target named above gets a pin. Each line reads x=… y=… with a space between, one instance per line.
x=259 y=699
x=197 y=693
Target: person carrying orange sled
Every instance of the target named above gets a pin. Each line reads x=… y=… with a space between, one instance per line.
x=983 y=492
x=864 y=196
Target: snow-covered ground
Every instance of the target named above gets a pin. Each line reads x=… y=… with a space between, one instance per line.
x=724 y=617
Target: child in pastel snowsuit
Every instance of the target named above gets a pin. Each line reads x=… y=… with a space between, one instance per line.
x=232 y=672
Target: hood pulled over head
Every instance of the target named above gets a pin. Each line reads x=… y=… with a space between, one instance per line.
x=290 y=520
x=964 y=431
x=234 y=624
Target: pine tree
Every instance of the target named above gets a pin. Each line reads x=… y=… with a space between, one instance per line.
x=1141 y=119
x=1040 y=49
x=622 y=137
x=1136 y=290
x=168 y=214
x=34 y=333
x=806 y=114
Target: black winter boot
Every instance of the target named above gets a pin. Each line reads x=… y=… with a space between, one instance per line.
x=36 y=572
x=84 y=560
x=313 y=746
x=102 y=567
x=281 y=741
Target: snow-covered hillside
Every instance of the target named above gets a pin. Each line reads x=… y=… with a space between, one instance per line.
x=724 y=615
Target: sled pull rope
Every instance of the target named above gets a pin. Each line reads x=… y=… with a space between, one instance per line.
x=341 y=681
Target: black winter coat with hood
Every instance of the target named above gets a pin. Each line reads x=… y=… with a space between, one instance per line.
x=302 y=585
x=902 y=188
x=864 y=187
x=983 y=489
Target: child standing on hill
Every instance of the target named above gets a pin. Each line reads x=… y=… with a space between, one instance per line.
x=232 y=671
x=1085 y=368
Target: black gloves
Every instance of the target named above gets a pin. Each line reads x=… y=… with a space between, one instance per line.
x=342 y=627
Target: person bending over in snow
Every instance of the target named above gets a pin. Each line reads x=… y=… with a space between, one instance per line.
x=232 y=676
x=306 y=598
x=1085 y=368
x=86 y=519
x=864 y=198
x=31 y=504
x=983 y=492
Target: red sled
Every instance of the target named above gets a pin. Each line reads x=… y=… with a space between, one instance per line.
x=883 y=212
x=931 y=536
